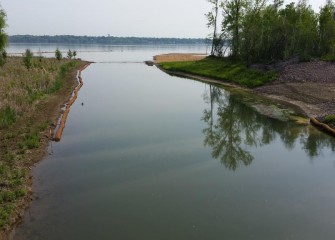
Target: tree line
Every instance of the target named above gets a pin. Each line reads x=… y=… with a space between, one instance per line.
x=106 y=40
x=258 y=31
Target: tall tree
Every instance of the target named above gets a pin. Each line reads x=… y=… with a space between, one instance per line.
x=233 y=13
x=307 y=29
x=252 y=33
x=3 y=36
x=326 y=28
x=212 y=18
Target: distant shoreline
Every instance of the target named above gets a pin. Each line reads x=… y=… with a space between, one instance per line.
x=104 y=40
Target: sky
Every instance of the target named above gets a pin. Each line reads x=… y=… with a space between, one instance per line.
x=121 y=18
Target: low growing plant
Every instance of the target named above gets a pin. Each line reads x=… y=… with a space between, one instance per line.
x=32 y=140
x=329 y=119
x=7 y=117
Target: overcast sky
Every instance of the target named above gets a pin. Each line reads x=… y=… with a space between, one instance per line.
x=140 y=18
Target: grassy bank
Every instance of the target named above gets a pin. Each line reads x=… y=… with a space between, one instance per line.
x=29 y=106
x=223 y=69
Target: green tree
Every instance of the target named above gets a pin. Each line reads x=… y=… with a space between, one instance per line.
x=327 y=28
x=233 y=13
x=28 y=59
x=74 y=53
x=253 y=32
x=262 y=32
x=212 y=17
x=290 y=17
x=307 y=31
x=69 y=54
x=272 y=38
x=58 y=54
x=3 y=37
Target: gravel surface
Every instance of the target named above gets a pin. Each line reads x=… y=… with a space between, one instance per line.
x=311 y=83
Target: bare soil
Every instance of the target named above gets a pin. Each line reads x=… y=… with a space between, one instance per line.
x=178 y=57
x=309 y=85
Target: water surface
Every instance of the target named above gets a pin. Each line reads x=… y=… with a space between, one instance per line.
x=149 y=156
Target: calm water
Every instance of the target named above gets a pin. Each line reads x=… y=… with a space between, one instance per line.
x=148 y=156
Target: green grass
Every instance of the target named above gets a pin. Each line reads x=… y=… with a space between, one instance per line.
x=7 y=117
x=64 y=69
x=5 y=212
x=31 y=140
x=223 y=69
x=329 y=120
x=330 y=57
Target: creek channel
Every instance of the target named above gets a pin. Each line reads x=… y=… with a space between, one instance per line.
x=146 y=155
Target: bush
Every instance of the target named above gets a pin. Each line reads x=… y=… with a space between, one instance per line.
x=28 y=59
x=305 y=57
x=329 y=119
x=58 y=54
x=69 y=54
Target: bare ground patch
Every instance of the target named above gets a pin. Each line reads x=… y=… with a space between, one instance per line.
x=178 y=57
x=310 y=85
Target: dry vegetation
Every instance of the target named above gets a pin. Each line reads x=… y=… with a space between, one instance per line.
x=20 y=87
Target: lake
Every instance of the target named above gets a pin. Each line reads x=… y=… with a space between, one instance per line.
x=146 y=155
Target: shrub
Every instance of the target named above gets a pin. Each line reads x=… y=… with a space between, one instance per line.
x=28 y=59
x=305 y=57
x=58 y=54
x=329 y=119
x=69 y=54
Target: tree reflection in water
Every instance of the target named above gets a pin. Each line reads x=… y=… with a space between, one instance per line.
x=234 y=126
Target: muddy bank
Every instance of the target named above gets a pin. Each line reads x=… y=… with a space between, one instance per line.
x=310 y=85
x=46 y=113
x=59 y=131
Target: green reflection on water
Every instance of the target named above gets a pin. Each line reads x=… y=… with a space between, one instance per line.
x=234 y=126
